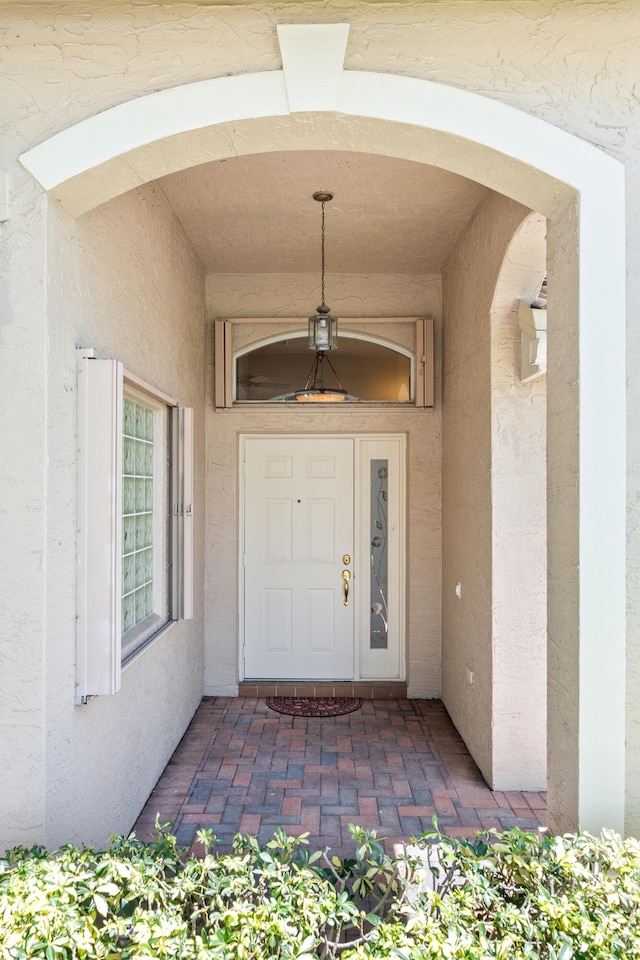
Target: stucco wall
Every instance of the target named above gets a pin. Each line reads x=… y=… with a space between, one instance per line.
x=570 y=65
x=519 y=527
x=22 y=520
x=563 y=562
x=233 y=296
x=124 y=280
x=469 y=281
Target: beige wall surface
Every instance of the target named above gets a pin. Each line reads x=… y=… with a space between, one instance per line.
x=563 y=558
x=233 y=296
x=23 y=340
x=466 y=477
x=125 y=281
x=519 y=522
x=469 y=281
x=569 y=63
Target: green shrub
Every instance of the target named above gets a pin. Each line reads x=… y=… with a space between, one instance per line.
x=519 y=896
x=139 y=900
x=513 y=895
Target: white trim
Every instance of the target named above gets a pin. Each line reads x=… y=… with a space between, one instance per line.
x=143 y=631
x=138 y=122
x=356 y=589
x=102 y=384
x=343 y=335
x=602 y=536
x=450 y=111
x=182 y=513
x=167 y=624
x=386 y=664
x=478 y=119
x=359 y=590
x=98 y=628
x=147 y=391
x=312 y=62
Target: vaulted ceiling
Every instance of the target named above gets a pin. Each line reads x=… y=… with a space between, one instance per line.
x=255 y=214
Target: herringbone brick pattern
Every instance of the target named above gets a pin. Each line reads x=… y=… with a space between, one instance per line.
x=390 y=766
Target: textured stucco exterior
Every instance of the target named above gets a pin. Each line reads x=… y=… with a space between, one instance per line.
x=117 y=291
x=123 y=279
x=563 y=434
x=519 y=525
x=468 y=283
x=494 y=479
x=124 y=292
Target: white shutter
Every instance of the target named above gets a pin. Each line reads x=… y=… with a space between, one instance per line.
x=99 y=526
x=182 y=514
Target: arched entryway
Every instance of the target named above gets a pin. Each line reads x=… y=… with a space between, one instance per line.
x=578 y=189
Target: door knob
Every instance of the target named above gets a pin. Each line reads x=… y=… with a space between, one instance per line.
x=346 y=576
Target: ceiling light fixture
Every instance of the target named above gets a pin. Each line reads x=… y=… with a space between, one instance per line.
x=323 y=337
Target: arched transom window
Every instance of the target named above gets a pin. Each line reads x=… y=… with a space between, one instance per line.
x=377 y=361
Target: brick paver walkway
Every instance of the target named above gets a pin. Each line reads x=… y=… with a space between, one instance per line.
x=390 y=766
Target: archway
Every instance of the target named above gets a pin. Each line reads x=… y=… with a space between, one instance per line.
x=580 y=191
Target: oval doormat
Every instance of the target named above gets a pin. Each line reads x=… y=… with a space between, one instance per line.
x=314 y=706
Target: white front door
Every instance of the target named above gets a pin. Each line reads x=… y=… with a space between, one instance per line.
x=317 y=509
x=298 y=540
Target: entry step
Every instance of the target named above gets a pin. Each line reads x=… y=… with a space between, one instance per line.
x=368 y=690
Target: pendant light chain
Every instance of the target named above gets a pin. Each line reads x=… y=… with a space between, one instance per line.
x=323 y=335
x=323 y=303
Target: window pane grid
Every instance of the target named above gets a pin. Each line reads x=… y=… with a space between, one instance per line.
x=137 y=514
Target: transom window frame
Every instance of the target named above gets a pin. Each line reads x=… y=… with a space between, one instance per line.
x=422 y=357
x=101 y=655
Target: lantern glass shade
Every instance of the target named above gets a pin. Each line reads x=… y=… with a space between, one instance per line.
x=323 y=333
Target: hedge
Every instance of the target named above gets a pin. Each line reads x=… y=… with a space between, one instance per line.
x=510 y=895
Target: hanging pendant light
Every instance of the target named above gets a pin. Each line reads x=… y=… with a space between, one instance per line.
x=323 y=337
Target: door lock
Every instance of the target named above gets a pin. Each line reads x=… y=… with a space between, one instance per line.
x=346 y=558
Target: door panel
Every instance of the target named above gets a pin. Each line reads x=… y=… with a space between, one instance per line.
x=277 y=620
x=278 y=532
x=298 y=524
x=319 y=530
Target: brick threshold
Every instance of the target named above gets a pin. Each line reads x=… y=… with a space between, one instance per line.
x=368 y=690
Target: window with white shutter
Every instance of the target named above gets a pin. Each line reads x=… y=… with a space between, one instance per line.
x=135 y=517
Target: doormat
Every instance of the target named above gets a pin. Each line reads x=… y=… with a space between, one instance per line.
x=314 y=706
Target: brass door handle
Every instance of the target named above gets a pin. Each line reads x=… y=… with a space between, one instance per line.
x=346 y=576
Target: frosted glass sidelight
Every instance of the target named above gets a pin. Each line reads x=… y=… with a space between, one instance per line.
x=379 y=627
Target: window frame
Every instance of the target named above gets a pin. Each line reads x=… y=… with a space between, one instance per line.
x=422 y=359
x=141 y=632
x=102 y=383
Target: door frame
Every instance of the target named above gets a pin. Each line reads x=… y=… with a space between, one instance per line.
x=359 y=539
